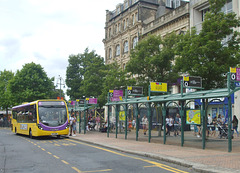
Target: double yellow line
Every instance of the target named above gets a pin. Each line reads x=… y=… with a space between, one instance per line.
x=154 y=164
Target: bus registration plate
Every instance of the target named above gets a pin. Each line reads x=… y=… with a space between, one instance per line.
x=53 y=134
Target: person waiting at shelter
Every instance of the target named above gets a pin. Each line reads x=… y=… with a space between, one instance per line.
x=144 y=124
x=177 y=125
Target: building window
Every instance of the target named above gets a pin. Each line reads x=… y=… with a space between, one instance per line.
x=169 y=3
x=116 y=29
x=118 y=50
x=124 y=24
x=110 y=30
x=227 y=8
x=127 y=22
x=124 y=66
x=125 y=47
x=135 y=41
x=136 y=17
x=110 y=53
x=133 y=20
x=126 y=5
x=119 y=27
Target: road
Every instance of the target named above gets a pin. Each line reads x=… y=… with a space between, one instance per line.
x=18 y=153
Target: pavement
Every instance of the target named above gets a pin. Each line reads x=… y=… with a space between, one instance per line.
x=214 y=158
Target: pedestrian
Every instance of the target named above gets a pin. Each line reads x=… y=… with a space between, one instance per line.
x=177 y=125
x=144 y=124
x=134 y=123
x=235 y=124
x=213 y=126
x=74 y=122
x=71 y=124
x=209 y=122
x=97 y=122
x=167 y=125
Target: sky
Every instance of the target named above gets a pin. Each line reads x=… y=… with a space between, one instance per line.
x=46 y=32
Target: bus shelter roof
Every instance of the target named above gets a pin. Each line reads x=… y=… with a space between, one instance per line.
x=216 y=93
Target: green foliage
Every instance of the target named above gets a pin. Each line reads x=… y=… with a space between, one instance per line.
x=151 y=60
x=85 y=74
x=31 y=83
x=115 y=79
x=5 y=99
x=204 y=54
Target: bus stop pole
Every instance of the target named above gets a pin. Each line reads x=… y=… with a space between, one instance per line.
x=137 y=121
x=229 y=124
x=126 y=120
x=164 y=112
x=203 y=124
x=149 y=122
x=79 y=114
x=229 y=114
x=117 y=115
x=108 y=121
x=84 y=116
x=182 y=123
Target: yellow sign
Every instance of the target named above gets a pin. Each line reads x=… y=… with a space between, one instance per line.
x=77 y=100
x=120 y=97
x=158 y=86
x=193 y=117
x=122 y=116
x=87 y=98
x=111 y=91
x=129 y=88
x=233 y=70
x=186 y=78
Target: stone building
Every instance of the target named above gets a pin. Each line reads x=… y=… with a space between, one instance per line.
x=134 y=19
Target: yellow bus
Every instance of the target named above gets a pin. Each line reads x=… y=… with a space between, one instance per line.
x=41 y=118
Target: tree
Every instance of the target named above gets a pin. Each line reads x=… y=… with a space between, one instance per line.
x=210 y=53
x=31 y=83
x=85 y=73
x=151 y=60
x=5 y=99
x=115 y=79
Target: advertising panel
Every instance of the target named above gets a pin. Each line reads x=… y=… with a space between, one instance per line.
x=193 y=117
x=158 y=87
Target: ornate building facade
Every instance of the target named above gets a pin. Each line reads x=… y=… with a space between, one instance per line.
x=134 y=19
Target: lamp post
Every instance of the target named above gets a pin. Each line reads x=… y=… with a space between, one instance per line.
x=59 y=81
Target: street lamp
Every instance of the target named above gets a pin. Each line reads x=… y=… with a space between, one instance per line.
x=59 y=81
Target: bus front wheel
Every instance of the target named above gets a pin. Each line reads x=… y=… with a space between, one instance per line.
x=30 y=133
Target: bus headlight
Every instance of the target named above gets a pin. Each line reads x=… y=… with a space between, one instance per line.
x=67 y=125
x=40 y=127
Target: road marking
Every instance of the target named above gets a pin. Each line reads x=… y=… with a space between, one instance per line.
x=49 y=153
x=43 y=149
x=56 y=157
x=76 y=169
x=156 y=164
x=65 y=162
x=57 y=145
x=104 y=170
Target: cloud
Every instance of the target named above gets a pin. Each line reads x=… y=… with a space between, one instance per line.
x=47 y=32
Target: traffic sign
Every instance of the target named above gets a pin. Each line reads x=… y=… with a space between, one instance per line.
x=235 y=73
x=134 y=90
x=192 y=81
